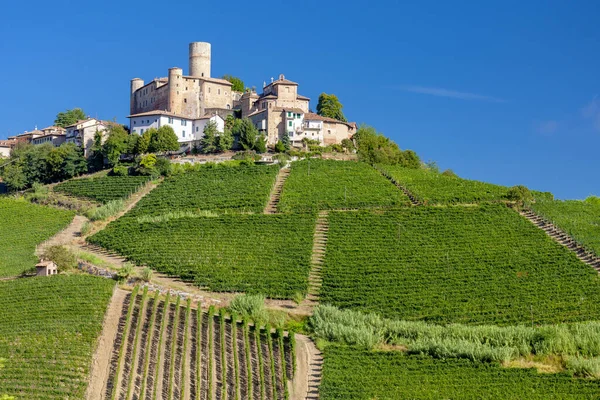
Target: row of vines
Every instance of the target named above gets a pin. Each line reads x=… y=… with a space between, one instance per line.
x=102 y=189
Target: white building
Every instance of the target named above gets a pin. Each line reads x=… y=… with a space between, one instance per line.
x=188 y=130
x=5 y=148
x=82 y=133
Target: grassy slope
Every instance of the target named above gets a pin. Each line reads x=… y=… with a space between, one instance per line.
x=22 y=227
x=102 y=189
x=579 y=219
x=456 y=264
x=268 y=254
x=350 y=373
x=48 y=328
x=327 y=184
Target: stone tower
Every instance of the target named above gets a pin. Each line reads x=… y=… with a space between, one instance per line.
x=175 y=89
x=200 y=59
x=136 y=83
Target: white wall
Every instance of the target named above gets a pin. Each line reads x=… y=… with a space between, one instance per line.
x=187 y=130
x=4 y=151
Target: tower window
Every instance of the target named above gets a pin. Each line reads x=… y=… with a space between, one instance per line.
x=219 y=91
x=185 y=100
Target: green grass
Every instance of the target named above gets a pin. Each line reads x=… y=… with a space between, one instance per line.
x=22 y=227
x=48 y=330
x=267 y=254
x=579 y=219
x=350 y=373
x=434 y=188
x=455 y=264
x=327 y=184
x=102 y=189
x=234 y=188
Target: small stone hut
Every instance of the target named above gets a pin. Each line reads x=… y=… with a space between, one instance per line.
x=46 y=268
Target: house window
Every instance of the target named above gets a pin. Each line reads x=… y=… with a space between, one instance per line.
x=197 y=128
x=290 y=123
x=183 y=122
x=289 y=114
x=218 y=91
x=328 y=130
x=142 y=130
x=287 y=89
x=228 y=107
x=209 y=90
x=183 y=133
x=185 y=100
x=134 y=122
x=291 y=134
x=170 y=120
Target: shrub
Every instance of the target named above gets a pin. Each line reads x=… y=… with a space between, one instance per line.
x=450 y=173
x=586 y=368
x=250 y=305
x=106 y=211
x=119 y=170
x=65 y=260
x=519 y=194
x=163 y=166
x=146 y=274
x=125 y=272
x=280 y=147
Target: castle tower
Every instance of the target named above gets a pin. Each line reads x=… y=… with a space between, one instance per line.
x=200 y=59
x=175 y=90
x=136 y=83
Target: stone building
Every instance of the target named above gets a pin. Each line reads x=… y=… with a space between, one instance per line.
x=55 y=135
x=46 y=268
x=280 y=110
x=83 y=132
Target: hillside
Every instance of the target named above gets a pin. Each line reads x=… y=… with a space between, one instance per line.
x=469 y=289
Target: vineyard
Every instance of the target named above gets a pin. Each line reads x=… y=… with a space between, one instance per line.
x=22 y=227
x=102 y=189
x=434 y=188
x=394 y=375
x=240 y=189
x=326 y=184
x=455 y=264
x=257 y=253
x=165 y=349
x=48 y=330
x=581 y=220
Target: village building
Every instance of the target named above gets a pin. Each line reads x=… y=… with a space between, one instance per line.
x=46 y=268
x=54 y=135
x=6 y=146
x=83 y=132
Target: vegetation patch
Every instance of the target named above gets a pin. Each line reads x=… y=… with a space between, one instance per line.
x=48 y=330
x=471 y=265
x=580 y=219
x=316 y=184
x=268 y=254
x=103 y=189
x=22 y=227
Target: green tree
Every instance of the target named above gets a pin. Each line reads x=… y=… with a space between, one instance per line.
x=261 y=144
x=347 y=144
x=225 y=140
x=237 y=83
x=279 y=146
x=330 y=106
x=374 y=148
x=14 y=176
x=96 y=158
x=164 y=139
x=117 y=143
x=208 y=143
x=69 y=117
x=143 y=142
x=247 y=133
x=286 y=141
x=230 y=122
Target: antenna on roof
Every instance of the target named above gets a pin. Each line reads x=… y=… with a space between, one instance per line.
x=271 y=79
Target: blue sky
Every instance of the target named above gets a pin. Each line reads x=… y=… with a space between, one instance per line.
x=506 y=91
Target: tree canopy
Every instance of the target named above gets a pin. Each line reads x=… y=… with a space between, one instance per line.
x=374 y=148
x=208 y=143
x=237 y=83
x=69 y=117
x=329 y=106
x=163 y=139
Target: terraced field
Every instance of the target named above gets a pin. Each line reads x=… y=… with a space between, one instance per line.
x=48 y=331
x=22 y=227
x=581 y=220
x=167 y=350
x=351 y=373
x=218 y=188
x=434 y=188
x=102 y=189
x=327 y=184
x=259 y=253
x=455 y=264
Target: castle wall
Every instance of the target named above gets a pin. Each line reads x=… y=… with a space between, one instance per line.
x=215 y=95
x=153 y=96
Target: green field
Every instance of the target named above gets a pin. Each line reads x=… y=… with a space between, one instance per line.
x=579 y=219
x=22 y=227
x=455 y=264
x=102 y=189
x=267 y=254
x=434 y=188
x=48 y=330
x=350 y=373
x=327 y=184
x=233 y=188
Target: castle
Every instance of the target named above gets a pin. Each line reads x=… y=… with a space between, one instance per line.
x=188 y=102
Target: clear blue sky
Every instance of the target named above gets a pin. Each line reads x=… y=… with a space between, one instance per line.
x=503 y=92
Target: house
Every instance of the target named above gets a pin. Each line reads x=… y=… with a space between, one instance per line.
x=189 y=130
x=5 y=147
x=46 y=268
x=83 y=132
x=55 y=135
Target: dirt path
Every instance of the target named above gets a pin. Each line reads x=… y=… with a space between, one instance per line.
x=271 y=207
x=101 y=359
x=309 y=367
x=65 y=237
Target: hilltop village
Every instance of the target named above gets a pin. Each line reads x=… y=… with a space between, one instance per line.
x=187 y=103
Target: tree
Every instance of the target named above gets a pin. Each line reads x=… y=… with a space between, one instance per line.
x=96 y=158
x=208 y=143
x=225 y=140
x=14 y=177
x=279 y=147
x=69 y=117
x=164 y=139
x=347 y=144
x=117 y=143
x=374 y=148
x=143 y=141
x=450 y=173
x=247 y=133
x=261 y=144
x=237 y=84
x=230 y=121
x=329 y=106
x=286 y=141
